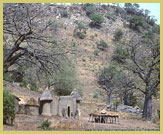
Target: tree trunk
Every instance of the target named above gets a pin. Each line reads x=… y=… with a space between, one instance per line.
x=125 y=98
x=147 y=109
x=109 y=99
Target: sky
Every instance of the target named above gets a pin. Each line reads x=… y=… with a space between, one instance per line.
x=154 y=8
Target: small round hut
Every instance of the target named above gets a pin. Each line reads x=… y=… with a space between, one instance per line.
x=32 y=107
x=45 y=101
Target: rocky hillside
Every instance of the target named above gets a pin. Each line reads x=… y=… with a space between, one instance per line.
x=86 y=55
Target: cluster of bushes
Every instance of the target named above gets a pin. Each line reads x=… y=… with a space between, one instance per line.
x=131 y=8
x=136 y=22
x=118 y=34
x=115 y=104
x=54 y=25
x=102 y=45
x=90 y=10
x=80 y=30
x=45 y=125
x=97 y=19
x=96 y=95
x=132 y=100
x=139 y=15
x=27 y=83
x=9 y=109
x=120 y=54
x=109 y=15
x=64 y=13
x=8 y=77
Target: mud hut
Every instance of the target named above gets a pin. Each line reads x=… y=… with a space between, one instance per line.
x=45 y=101
x=32 y=107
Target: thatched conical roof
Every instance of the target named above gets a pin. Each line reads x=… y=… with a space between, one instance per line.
x=46 y=95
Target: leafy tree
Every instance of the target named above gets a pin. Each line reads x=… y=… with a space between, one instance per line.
x=151 y=21
x=146 y=12
x=126 y=87
x=107 y=80
x=97 y=19
x=136 y=22
x=156 y=29
x=144 y=62
x=9 y=109
x=115 y=104
x=90 y=10
x=128 y=5
x=132 y=8
x=136 y=6
x=62 y=83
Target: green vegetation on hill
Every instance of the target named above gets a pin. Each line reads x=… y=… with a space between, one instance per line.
x=55 y=48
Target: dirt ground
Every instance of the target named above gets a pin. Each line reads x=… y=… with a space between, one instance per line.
x=125 y=122
x=30 y=123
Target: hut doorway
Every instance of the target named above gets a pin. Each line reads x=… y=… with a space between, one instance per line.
x=68 y=111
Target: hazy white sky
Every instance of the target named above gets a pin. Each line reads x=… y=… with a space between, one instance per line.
x=154 y=8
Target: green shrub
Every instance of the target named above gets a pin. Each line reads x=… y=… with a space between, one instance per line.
x=115 y=104
x=151 y=21
x=96 y=52
x=92 y=37
x=33 y=87
x=120 y=54
x=45 y=125
x=132 y=100
x=8 y=77
x=97 y=19
x=90 y=10
x=95 y=95
x=64 y=13
x=96 y=34
x=109 y=15
x=156 y=29
x=25 y=82
x=102 y=45
x=136 y=22
x=9 y=109
x=80 y=30
x=118 y=34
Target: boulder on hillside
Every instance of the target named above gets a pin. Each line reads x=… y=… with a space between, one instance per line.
x=128 y=109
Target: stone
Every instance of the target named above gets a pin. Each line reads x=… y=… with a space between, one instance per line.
x=129 y=109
